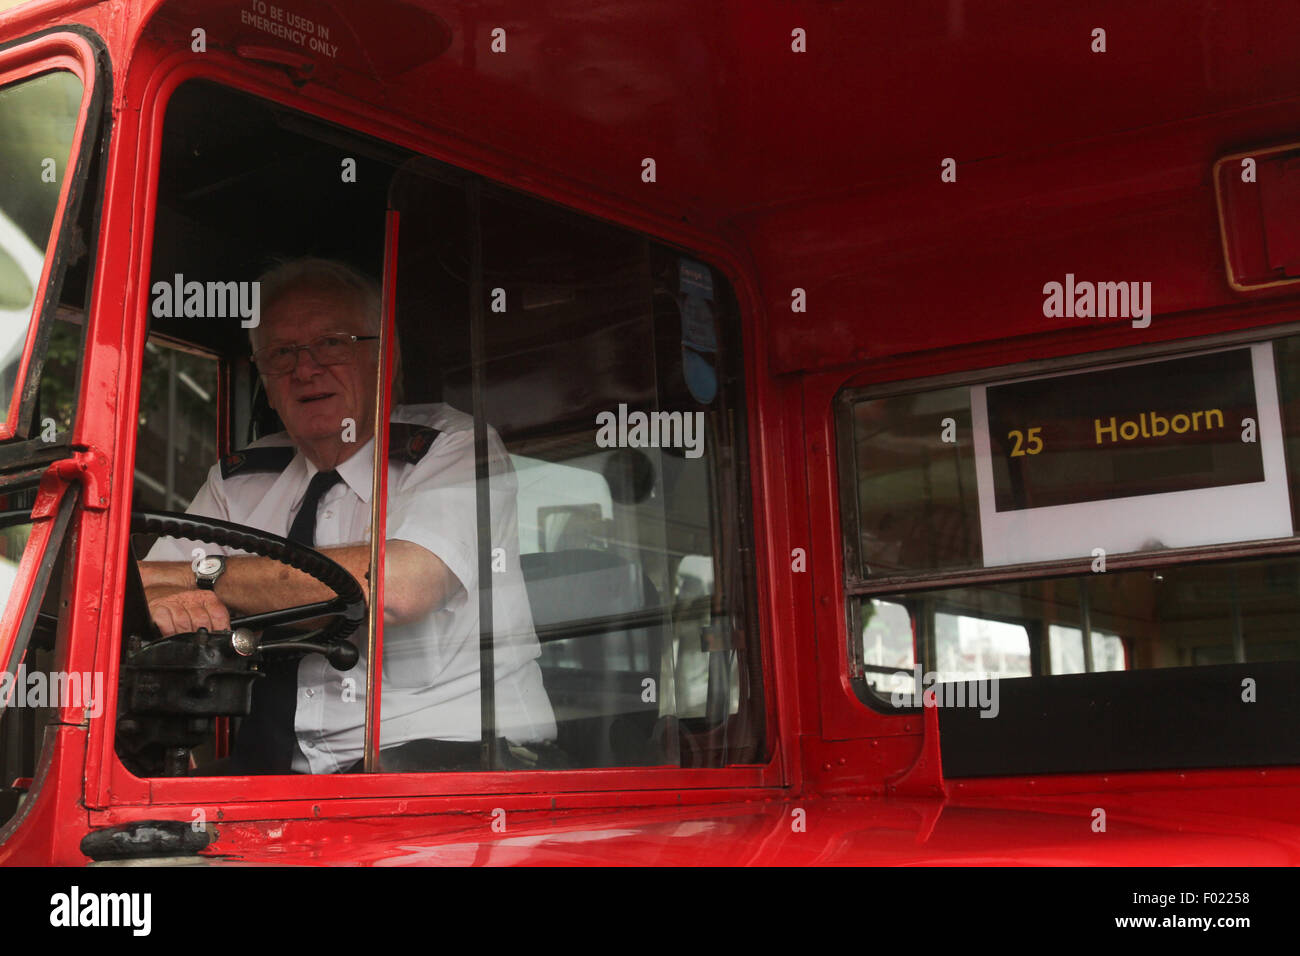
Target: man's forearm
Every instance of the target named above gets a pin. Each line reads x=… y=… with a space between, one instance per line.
x=254 y=585
x=416 y=581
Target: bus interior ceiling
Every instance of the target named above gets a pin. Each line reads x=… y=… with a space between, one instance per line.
x=237 y=191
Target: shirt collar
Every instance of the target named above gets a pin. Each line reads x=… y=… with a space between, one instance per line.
x=357 y=472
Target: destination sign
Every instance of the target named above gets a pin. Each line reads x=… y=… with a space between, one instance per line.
x=1158 y=427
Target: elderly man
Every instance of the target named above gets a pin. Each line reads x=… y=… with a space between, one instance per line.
x=315 y=351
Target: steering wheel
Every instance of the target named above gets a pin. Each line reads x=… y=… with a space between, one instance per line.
x=346 y=611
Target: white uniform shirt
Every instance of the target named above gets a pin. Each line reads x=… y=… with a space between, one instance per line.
x=430 y=666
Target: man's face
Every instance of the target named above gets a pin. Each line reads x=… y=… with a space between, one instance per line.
x=313 y=399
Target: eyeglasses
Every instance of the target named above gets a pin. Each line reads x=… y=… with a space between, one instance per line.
x=332 y=348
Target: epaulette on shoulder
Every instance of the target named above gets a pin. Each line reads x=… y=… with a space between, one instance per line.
x=267 y=458
x=408 y=442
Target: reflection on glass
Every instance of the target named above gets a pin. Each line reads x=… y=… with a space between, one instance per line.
x=918 y=508
x=431 y=661
x=888 y=647
x=1214 y=613
x=975 y=648
x=41 y=682
x=1066 y=644
x=178 y=427
x=13 y=541
x=38 y=119
x=625 y=547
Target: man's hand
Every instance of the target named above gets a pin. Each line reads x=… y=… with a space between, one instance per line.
x=179 y=610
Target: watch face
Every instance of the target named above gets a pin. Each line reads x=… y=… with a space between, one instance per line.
x=209 y=565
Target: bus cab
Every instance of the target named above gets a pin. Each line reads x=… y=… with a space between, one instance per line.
x=756 y=433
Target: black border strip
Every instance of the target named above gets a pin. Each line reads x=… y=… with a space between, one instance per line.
x=1162 y=719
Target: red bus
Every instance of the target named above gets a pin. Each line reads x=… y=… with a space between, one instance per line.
x=748 y=433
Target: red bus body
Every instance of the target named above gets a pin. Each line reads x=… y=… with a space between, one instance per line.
x=817 y=172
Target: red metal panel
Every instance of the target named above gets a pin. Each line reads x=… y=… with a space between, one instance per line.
x=1212 y=819
x=47 y=829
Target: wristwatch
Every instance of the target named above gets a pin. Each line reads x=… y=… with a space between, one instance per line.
x=207 y=571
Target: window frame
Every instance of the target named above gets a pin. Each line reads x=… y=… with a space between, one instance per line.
x=117 y=795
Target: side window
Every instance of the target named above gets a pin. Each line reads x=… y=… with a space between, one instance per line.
x=38 y=121
x=50 y=112
x=34 y=681
x=1090 y=525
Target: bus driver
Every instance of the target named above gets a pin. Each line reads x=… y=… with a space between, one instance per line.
x=315 y=351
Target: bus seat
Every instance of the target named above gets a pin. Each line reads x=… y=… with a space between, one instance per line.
x=595 y=676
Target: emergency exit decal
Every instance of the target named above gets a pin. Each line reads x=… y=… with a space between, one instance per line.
x=1174 y=453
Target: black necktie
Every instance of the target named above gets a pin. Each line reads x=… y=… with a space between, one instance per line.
x=304 y=525
x=266 y=737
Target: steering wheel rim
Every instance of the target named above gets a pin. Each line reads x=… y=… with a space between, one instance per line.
x=348 y=608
